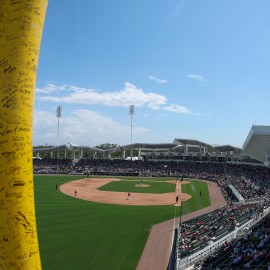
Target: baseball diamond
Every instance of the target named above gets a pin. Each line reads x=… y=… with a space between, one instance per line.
x=88 y=190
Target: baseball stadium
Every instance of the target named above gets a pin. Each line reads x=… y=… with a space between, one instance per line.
x=185 y=205
x=145 y=206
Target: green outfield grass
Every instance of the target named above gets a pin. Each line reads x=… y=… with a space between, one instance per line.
x=76 y=234
x=130 y=186
x=197 y=201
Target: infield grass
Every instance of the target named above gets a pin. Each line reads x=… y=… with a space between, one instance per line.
x=130 y=186
x=75 y=234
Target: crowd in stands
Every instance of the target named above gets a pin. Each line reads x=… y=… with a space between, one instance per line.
x=252 y=181
x=250 y=251
x=196 y=233
x=190 y=168
x=250 y=185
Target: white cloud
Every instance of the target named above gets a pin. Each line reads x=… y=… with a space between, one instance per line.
x=177 y=109
x=130 y=94
x=157 y=80
x=180 y=109
x=85 y=127
x=50 y=88
x=82 y=127
x=196 y=77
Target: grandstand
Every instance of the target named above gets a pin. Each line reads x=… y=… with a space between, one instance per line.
x=244 y=186
x=208 y=241
x=255 y=150
x=246 y=189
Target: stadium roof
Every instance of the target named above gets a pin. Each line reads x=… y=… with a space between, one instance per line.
x=192 y=142
x=64 y=146
x=228 y=148
x=150 y=146
x=111 y=150
x=142 y=145
x=257 y=143
x=219 y=148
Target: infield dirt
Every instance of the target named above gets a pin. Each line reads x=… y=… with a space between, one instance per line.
x=87 y=189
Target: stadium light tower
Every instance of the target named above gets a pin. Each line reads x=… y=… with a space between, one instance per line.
x=58 y=115
x=131 y=113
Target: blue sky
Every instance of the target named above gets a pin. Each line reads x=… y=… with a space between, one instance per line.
x=193 y=69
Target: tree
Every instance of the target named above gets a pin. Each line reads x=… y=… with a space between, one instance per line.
x=106 y=146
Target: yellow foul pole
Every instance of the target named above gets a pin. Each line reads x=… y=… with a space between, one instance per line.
x=21 y=25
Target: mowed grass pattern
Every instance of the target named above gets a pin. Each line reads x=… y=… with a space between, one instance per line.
x=130 y=186
x=197 y=201
x=76 y=234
